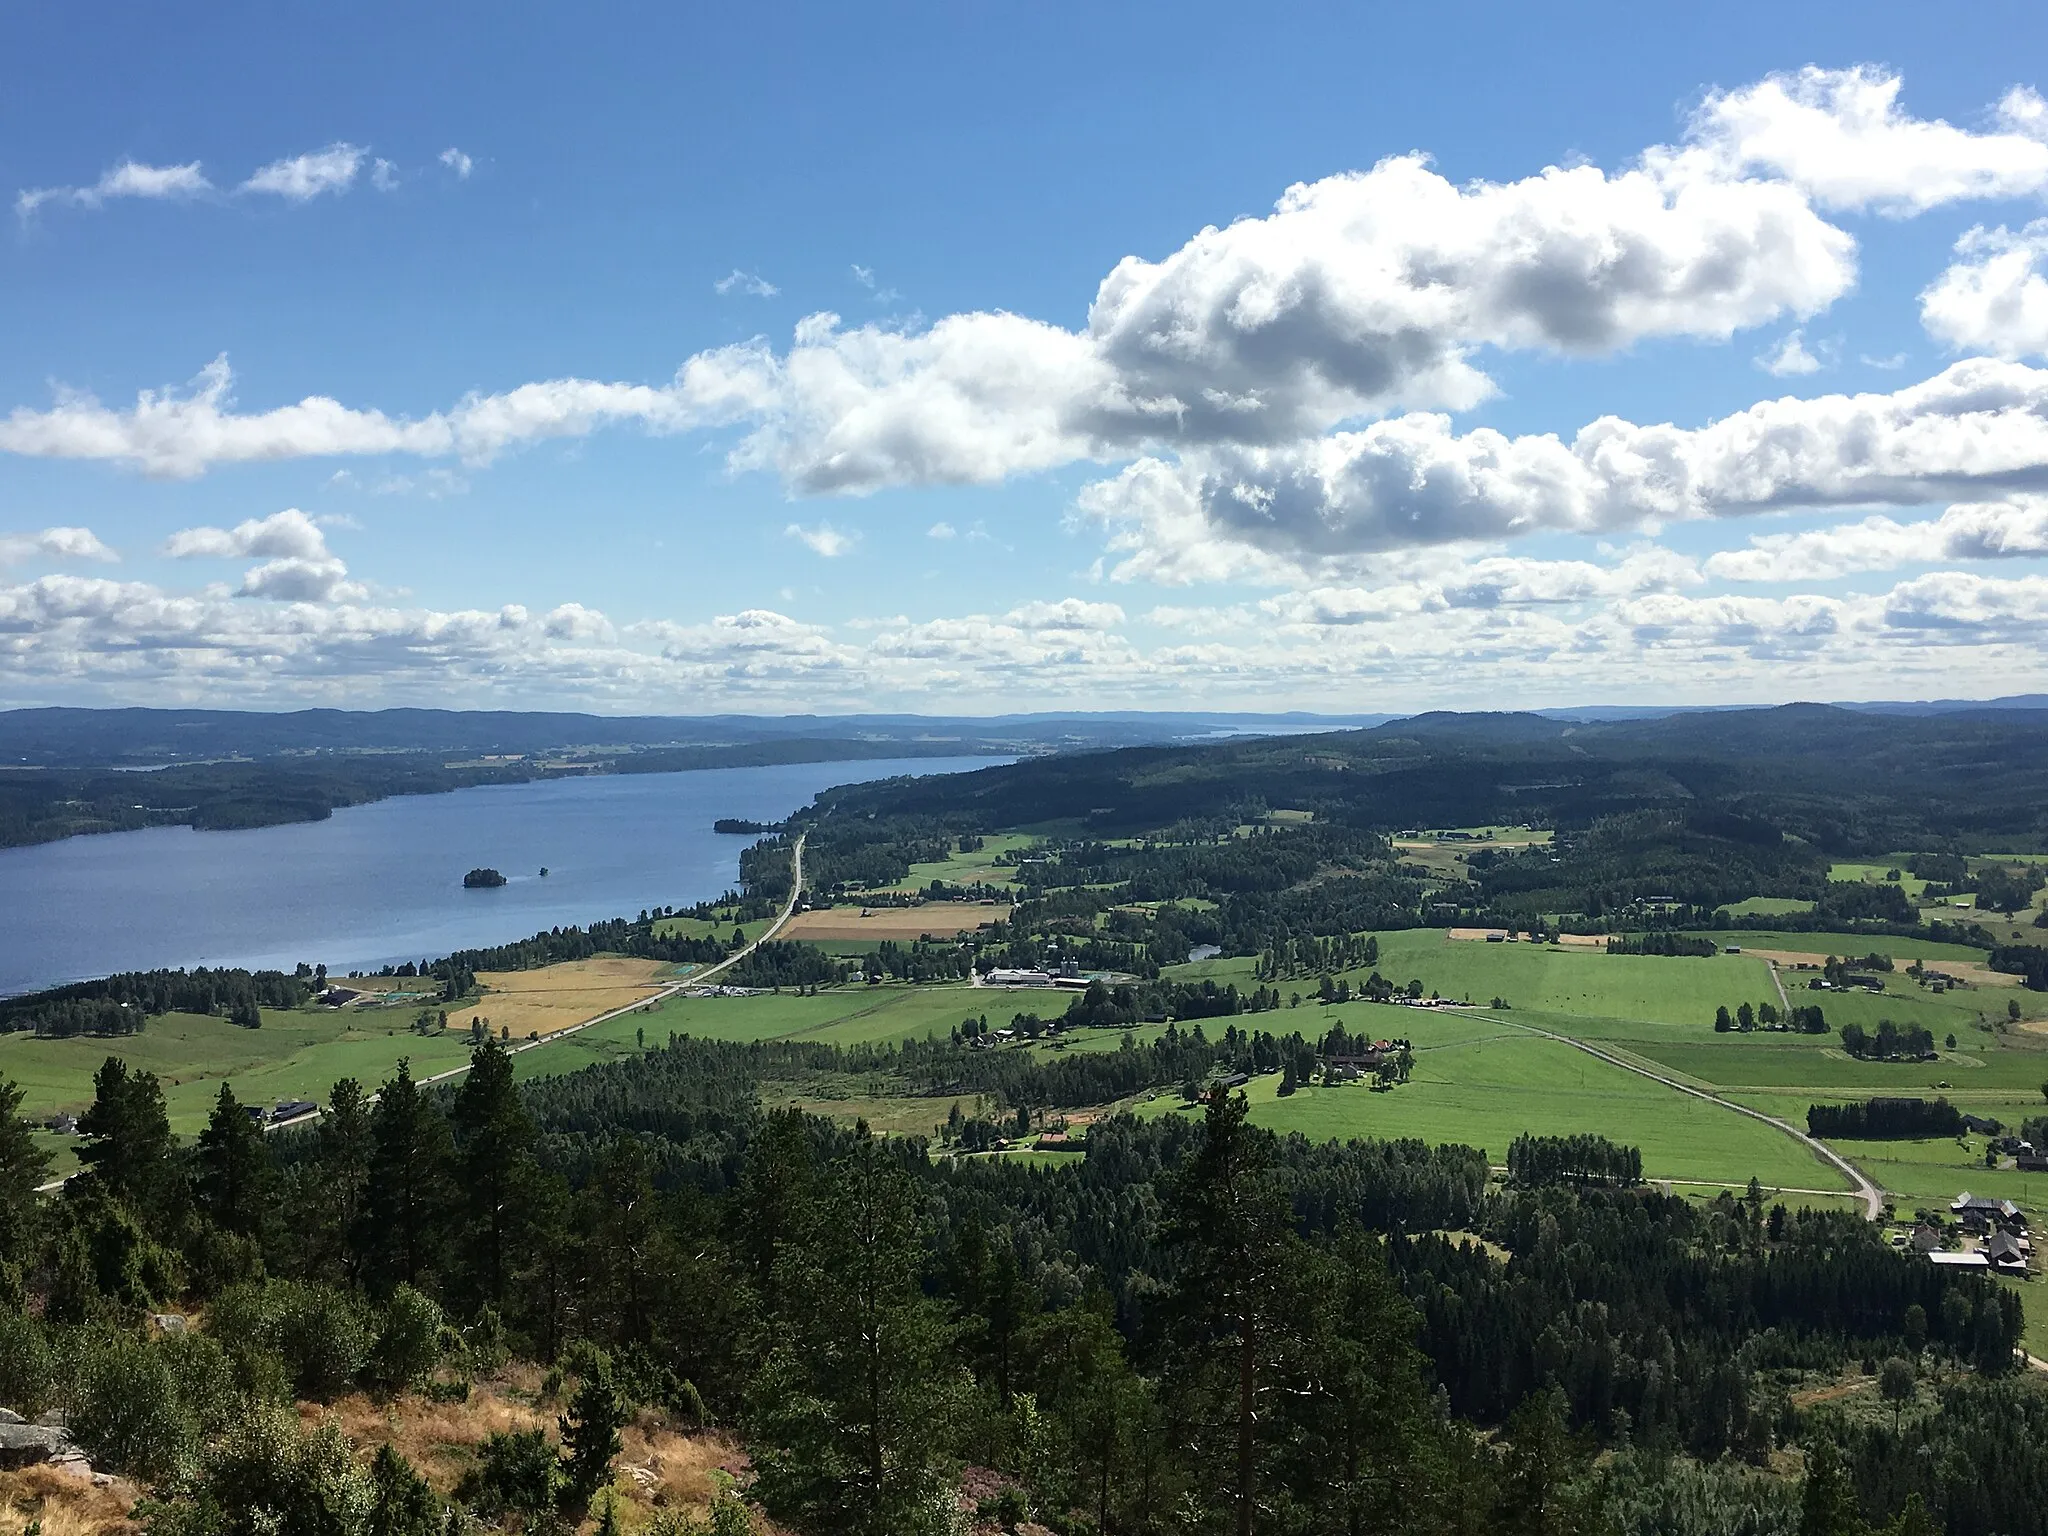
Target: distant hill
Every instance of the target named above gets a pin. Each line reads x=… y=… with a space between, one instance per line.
x=84 y=738
x=1834 y=778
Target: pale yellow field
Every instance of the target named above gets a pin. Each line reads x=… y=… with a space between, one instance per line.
x=1565 y=940
x=940 y=919
x=557 y=996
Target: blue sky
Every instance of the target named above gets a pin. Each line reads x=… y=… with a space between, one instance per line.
x=580 y=438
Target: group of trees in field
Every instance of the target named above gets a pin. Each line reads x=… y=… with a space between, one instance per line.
x=2027 y=961
x=1309 y=955
x=1886 y=1119
x=1661 y=944
x=1534 y=1161
x=1803 y=1019
x=1889 y=1042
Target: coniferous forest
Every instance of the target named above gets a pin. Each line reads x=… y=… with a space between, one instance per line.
x=1195 y=1326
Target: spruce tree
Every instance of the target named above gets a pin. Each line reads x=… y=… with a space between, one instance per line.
x=342 y=1167
x=1827 y=1503
x=128 y=1148
x=590 y=1430
x=405 y=1505
x=234 y=1167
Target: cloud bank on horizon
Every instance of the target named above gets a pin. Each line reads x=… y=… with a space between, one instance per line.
x=1275 y=405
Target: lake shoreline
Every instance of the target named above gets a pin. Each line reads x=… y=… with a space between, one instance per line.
x=381 y=883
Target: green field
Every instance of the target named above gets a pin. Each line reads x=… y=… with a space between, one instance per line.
x=1498 y=1083
x=854 y=1015
x=1658 y=1013
x=969 y=868
x=1565 y=981
x=718 y=925
x=298 y=1054
x=1480 y=1078
x=1904 y=951
x=1875 y=874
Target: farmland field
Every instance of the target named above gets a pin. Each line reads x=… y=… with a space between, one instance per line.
x=540 y=1002
x=1904 y=951
x=940 y=919
x=1487 y=1089
x=979 y=866
x=1658 y=1012
x=296 y=1054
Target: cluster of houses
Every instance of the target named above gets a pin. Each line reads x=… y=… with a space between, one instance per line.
x=1992 y=1235
x=1362 y=1062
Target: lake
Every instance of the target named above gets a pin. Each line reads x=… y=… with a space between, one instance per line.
x=380 y=884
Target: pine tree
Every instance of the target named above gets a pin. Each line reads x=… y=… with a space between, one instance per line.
x=405 y=1505
x=1230 y=1218
x=234 y=1167
x=1827 y=1504
x=406 y=1198
x=343 y=1170
x=495 y=1136
x=851 y=1409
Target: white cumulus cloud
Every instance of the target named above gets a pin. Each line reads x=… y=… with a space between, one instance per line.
x=297 y=566
x=53 y=544
x=823 y=539
x=301 y=178
x=752 y=284
x=1995 y=299
x=1840 y=135
x=1969 y=531
x=458 y=162
x=130 y=178
x=1976 y=430
x=289 y=534
x=1789 y=358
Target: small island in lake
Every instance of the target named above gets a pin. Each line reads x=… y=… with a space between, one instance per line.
x=482 y=880
x=735 y=824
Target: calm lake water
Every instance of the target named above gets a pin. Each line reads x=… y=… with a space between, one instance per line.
x=381 y=884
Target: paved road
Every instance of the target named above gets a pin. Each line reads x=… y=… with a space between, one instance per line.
x=1871 y=1195
x=694 y=979
x=697 y=979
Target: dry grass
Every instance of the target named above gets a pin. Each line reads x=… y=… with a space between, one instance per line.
x=658 y=1468
x=662 y=1469
x=438 y=1438
x=557 y=996
x=940 y=919
x=66 y=1504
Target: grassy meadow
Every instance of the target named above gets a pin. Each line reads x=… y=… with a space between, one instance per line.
x=1480 y=1078
x=1487 y=1088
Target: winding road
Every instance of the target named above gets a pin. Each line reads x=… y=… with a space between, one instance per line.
x=1871 y=1196
x=695 y=979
